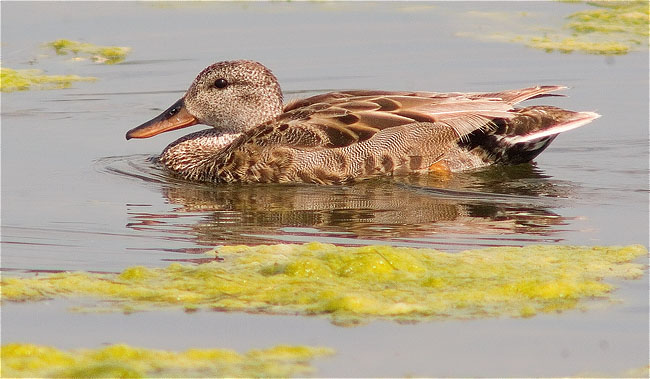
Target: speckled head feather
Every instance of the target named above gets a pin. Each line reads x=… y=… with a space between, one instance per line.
x=345 y=136
x=250 y=96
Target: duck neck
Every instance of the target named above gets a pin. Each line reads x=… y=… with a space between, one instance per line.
x=194 y=156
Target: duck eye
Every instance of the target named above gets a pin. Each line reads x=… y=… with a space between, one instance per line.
x=220 y=83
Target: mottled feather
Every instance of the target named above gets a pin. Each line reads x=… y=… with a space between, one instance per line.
x=349 y=135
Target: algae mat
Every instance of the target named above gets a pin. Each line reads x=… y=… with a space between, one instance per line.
x=96 y=53
x=606 y=28
x=123 y=361
x=352 y=285
x=20 y=80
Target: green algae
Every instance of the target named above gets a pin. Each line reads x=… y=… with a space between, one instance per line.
x=21 y=80
x=123 y=361
x=609 y=28
x=352 y=285
x=614 y=28
x=629 y=18
x=639 y=372
x=571 y=44
x=100 y=54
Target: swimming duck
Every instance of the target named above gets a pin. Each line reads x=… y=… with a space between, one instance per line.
x=344 y=136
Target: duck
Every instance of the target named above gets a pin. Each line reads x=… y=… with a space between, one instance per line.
x=346 y=136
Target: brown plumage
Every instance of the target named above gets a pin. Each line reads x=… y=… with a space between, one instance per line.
x=345 y=136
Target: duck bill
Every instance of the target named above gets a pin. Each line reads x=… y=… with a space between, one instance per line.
x=176 y=117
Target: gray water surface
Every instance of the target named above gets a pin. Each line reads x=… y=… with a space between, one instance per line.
x=77 y=196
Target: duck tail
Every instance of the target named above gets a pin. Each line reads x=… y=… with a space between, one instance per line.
x=522 y=138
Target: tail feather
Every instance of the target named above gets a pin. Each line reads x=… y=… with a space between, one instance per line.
x=524 y=137
x=579 y=119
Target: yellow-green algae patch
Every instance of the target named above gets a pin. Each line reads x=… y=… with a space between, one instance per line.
x=639 y=372
x=21 y=80
x=123 y=361
x=571 y=44
x=627 y=17
x=100 y=54
x=609 y=28
x=356 y=284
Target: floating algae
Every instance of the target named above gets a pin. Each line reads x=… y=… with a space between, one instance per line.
x=353 y=285
x=100 y=54
x=639 y=372
x=570 y=44
x=123 y=361
x=612 y=28
x=629 y=18
x=21 y=80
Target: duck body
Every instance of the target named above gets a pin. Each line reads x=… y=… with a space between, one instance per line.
x=346 y=136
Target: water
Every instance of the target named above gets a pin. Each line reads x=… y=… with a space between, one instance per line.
x=77 y=196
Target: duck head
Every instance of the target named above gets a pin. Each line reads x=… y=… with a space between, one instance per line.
x=231 y=96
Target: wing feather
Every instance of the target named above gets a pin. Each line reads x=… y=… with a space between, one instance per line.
x=339 y=119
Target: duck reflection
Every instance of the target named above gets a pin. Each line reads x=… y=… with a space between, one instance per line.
x=495 y=206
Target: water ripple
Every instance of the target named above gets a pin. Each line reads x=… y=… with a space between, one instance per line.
x=503 y=205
